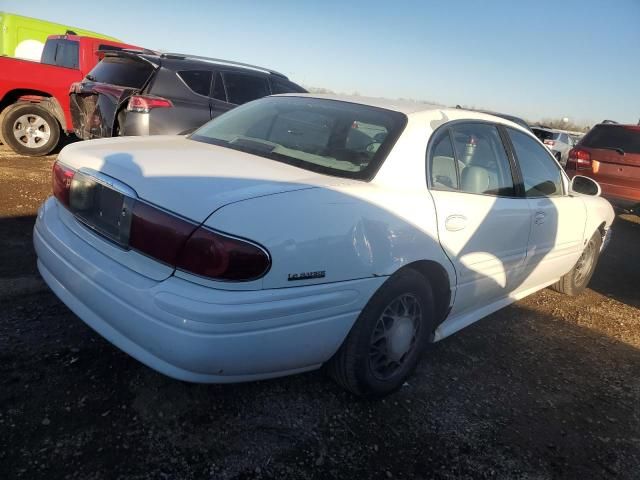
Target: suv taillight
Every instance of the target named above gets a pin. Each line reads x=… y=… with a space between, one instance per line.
x=145 y=103
x=61 y=177
x=579 y=159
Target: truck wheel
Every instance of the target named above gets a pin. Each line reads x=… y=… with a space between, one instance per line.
x=385 y=343
x=30 y=130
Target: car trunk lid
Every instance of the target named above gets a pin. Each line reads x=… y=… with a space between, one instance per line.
x=186 y=177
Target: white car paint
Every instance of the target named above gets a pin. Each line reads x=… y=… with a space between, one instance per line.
x=493 y=250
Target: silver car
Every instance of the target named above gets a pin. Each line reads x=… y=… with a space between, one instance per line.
x=557 y=141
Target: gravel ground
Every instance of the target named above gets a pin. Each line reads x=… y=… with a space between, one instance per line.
x=546 y=388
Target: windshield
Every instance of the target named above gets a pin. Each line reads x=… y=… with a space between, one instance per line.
x=326 y=136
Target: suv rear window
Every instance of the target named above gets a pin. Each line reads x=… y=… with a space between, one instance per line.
x=243 y=88
x=122 y=71
x=545 y=134
x=326 y=136
x=626 y=137
x=63 y=53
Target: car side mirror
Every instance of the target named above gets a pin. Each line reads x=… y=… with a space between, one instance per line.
x=585 y=186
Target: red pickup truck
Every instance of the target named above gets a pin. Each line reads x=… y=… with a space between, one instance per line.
x=34 y=96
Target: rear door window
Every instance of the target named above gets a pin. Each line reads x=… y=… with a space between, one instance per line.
x=242 y=88
x=626 y=137
x=471 y=158
x=62 y=53
x=198 y=81
x=122 y=71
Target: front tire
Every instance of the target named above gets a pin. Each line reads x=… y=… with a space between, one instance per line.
x=30 y=130
x=385 y=343
x=576 y=281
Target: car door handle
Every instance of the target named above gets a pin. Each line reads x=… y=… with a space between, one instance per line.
x=455 y=223
x=539 y=218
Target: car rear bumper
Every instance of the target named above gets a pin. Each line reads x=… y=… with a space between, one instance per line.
x=191 y=332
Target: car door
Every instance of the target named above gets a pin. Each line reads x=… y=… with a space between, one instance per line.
x=557 y=221
x=483 y=223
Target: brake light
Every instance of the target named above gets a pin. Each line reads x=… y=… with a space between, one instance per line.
x=61 y=182
x=158 y=234
x=200 y=251
x=579 y=159
x=214 y=255
x=145 y=103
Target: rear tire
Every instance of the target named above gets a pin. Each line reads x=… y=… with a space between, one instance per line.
x=29 y=129
x=385 y=343
x=576 y=281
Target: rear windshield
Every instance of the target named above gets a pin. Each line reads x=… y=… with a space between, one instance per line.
x=61 y=52
x=625 y=137
x=122 y=71
x=326 y=136
x=545 y=134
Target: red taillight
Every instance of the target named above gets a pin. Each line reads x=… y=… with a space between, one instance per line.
x=144 y=103
x=158 y=234
x=201 y=251
x=214 y=255
x=61 y=182
x=579 y=159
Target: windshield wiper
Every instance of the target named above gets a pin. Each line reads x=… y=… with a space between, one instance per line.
x=615 y=149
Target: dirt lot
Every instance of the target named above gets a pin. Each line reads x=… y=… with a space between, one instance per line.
x=547 y=388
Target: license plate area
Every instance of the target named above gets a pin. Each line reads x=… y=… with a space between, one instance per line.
x=102 y=208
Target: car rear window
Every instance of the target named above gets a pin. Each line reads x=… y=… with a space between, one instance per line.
x=122 y=71
x=626 y=137
x=545 y=134
x=63 y=53
x=326 y=136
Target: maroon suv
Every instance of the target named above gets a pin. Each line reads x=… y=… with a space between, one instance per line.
x=610 y=154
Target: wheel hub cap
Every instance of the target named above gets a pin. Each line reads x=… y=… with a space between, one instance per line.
x=31 y=130
x=394 y=336
x=400 y=337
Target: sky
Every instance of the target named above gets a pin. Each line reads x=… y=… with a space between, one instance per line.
x=536 y=59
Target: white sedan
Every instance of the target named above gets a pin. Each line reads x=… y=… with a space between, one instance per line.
x=297 y=231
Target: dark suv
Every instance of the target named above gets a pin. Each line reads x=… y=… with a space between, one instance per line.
x=133 y=93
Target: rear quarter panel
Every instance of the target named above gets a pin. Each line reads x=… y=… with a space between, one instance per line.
x=347 y=231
